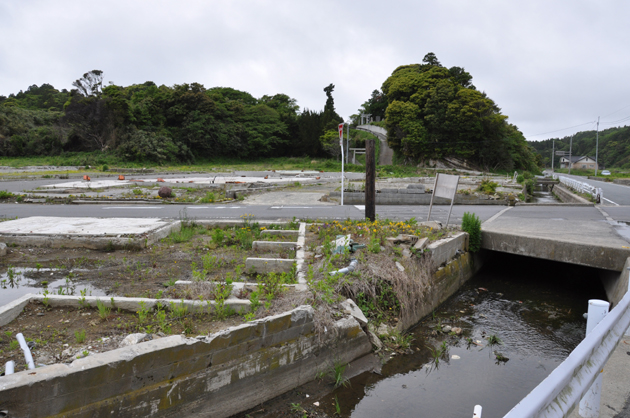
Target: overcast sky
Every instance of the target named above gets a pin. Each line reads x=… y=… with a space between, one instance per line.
x=549 y=65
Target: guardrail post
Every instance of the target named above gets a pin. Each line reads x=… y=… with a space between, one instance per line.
x=589 y=405
x=477 y=411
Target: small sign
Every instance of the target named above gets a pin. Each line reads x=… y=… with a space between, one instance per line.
x=445 y=186
x=341 y=134
x=562 y=153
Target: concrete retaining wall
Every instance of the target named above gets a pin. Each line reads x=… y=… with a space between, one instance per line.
x=444 y=283
x=354 y=198
x=567 y=196
x=215 y=376
x=444 y=250
x=624 y=182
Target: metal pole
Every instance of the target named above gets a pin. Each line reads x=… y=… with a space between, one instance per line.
x=553 y=153
x=589 y=405
x=570 y=154
x=370 y=180
x=477 y=411
x=437 y=176
x=596 y=147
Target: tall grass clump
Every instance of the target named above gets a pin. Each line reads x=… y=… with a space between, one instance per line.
x=472 y=225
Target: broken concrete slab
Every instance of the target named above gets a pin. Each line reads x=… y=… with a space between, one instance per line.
x=92 y=233
x=350 y=307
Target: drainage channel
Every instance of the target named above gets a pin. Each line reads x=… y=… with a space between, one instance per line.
x=534 y=309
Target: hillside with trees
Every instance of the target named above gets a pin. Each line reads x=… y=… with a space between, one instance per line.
x=433 y=112
x=614 y=147
x=147 y=122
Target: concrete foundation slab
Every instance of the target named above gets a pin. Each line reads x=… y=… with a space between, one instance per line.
x=93 y=233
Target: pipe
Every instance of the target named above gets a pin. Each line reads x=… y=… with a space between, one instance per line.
x=27 y=351
x=9 y=368
x=346 y=270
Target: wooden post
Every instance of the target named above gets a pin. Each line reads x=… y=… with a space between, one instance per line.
x=370 y=180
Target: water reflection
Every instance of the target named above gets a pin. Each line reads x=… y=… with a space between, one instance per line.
x=19 y=281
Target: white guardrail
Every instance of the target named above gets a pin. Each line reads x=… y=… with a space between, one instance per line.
x=581 y=187
x=560 y=392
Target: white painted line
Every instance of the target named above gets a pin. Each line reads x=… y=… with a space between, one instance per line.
x=299 y=207
x=497 y=215
x=360 y=207
x=608 y=200
x=197 y=207
x=132 y=207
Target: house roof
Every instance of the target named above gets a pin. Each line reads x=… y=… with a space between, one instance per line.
x=575 y=159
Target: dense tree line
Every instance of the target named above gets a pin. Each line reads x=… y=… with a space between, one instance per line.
x=433 y=112
x=147 y=122
x=614 y=147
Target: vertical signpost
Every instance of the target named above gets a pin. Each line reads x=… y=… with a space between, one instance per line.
x=341 y=145
x=370 y=180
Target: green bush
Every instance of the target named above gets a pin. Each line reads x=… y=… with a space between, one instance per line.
x=487 y=186
x=472 y=225
x=520 y=179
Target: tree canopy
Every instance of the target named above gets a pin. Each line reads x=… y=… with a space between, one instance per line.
x=160 y=123
x=435 y=112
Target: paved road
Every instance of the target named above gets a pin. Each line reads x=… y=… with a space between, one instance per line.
x=235 y=211
x=614 y=194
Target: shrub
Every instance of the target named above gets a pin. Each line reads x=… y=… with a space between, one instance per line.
x=472 y=225
x=487 y=186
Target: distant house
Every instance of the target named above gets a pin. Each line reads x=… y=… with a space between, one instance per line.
x=584 y=162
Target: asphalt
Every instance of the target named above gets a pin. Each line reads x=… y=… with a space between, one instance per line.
x=614 y=194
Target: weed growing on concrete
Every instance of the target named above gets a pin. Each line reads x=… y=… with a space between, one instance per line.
x=13 y=345
x=79 y=336
x=143 y=312
x=179 y=310
x=221 y=292
x=208 y=198
x=472 y=225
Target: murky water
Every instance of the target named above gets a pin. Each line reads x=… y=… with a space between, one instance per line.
x=534 y=307
x=18 y=281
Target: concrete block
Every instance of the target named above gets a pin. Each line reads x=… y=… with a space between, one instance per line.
x=411 y=191
x=273 y=246
x=13 y=309
x=281 y=232
x=389 y=191
x=416 y=186
x=3 y=249
x=444 y=250
x=350 y=307
x=269 y=265
x=421 y=244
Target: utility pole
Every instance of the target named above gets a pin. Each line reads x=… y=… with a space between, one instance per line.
x=596 y=147
x=348 y=141
x=553 y=153
x=570 y=154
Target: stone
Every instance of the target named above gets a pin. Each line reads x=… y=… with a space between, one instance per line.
x=44 y=359
x=421 y=244
x=132 y=339
x=383 y=329
x=350 y=307
x=165 y=192
x=457 y=330
x=399 y=266
x=406 y=253
x=3 y=248
x=432 y=224
x=447 y=328
x=403 y=239
x=376 y=342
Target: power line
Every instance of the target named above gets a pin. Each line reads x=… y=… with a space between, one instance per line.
x=616 y=111
x=563 y=129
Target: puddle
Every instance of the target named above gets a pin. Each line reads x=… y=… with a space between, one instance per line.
x=19 y=281
x=534 y=307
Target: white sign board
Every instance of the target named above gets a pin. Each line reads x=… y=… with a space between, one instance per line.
x=446 y=187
